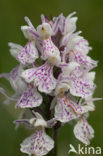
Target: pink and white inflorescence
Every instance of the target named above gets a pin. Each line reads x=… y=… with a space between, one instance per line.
x=53 y=81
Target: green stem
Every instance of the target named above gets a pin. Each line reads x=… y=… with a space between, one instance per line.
x=55 y=136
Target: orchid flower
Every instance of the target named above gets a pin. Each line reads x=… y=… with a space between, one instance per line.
x=39 y=143
x=67 y=109
x=79 y=82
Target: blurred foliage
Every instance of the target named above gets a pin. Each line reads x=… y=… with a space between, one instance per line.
x=12 y=12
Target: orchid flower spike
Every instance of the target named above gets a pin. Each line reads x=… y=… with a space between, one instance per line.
x=53 y=83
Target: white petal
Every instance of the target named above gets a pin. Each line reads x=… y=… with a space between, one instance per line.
x=43 y=18
x=90 y=76
x=81 y=87
x=26 y=31
x=15 y=49
x=85 y=61
x=71 y=40
x=29 y=22
x=42 y=77
x=69 y=68
x=67 y=110
x=63 y=111
x=83 y=131
x=30 y=98
x=27 y=145
x=50 y=52
x=28 y=54
x=16 y=82
x=40 y=120
x=38 y=144
x=70 y=24
x=82 y=46
x=57 y=23
x=80 y=83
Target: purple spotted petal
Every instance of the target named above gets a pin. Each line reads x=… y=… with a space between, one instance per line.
x=83 y=131
x=28 y=54
x=67 y=110
x=80 y=109
x=83 y=60
x=42 y=77
x=64 y=111
x=38 y=144
x=79 y=81
x=30 y=98
x=81 y=87
x=48 y=48
x=50 y=52
x=78 y=72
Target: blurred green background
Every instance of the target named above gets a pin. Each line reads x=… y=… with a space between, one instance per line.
x=12 y=12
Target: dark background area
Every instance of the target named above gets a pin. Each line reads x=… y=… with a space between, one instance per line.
x=12 y=12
